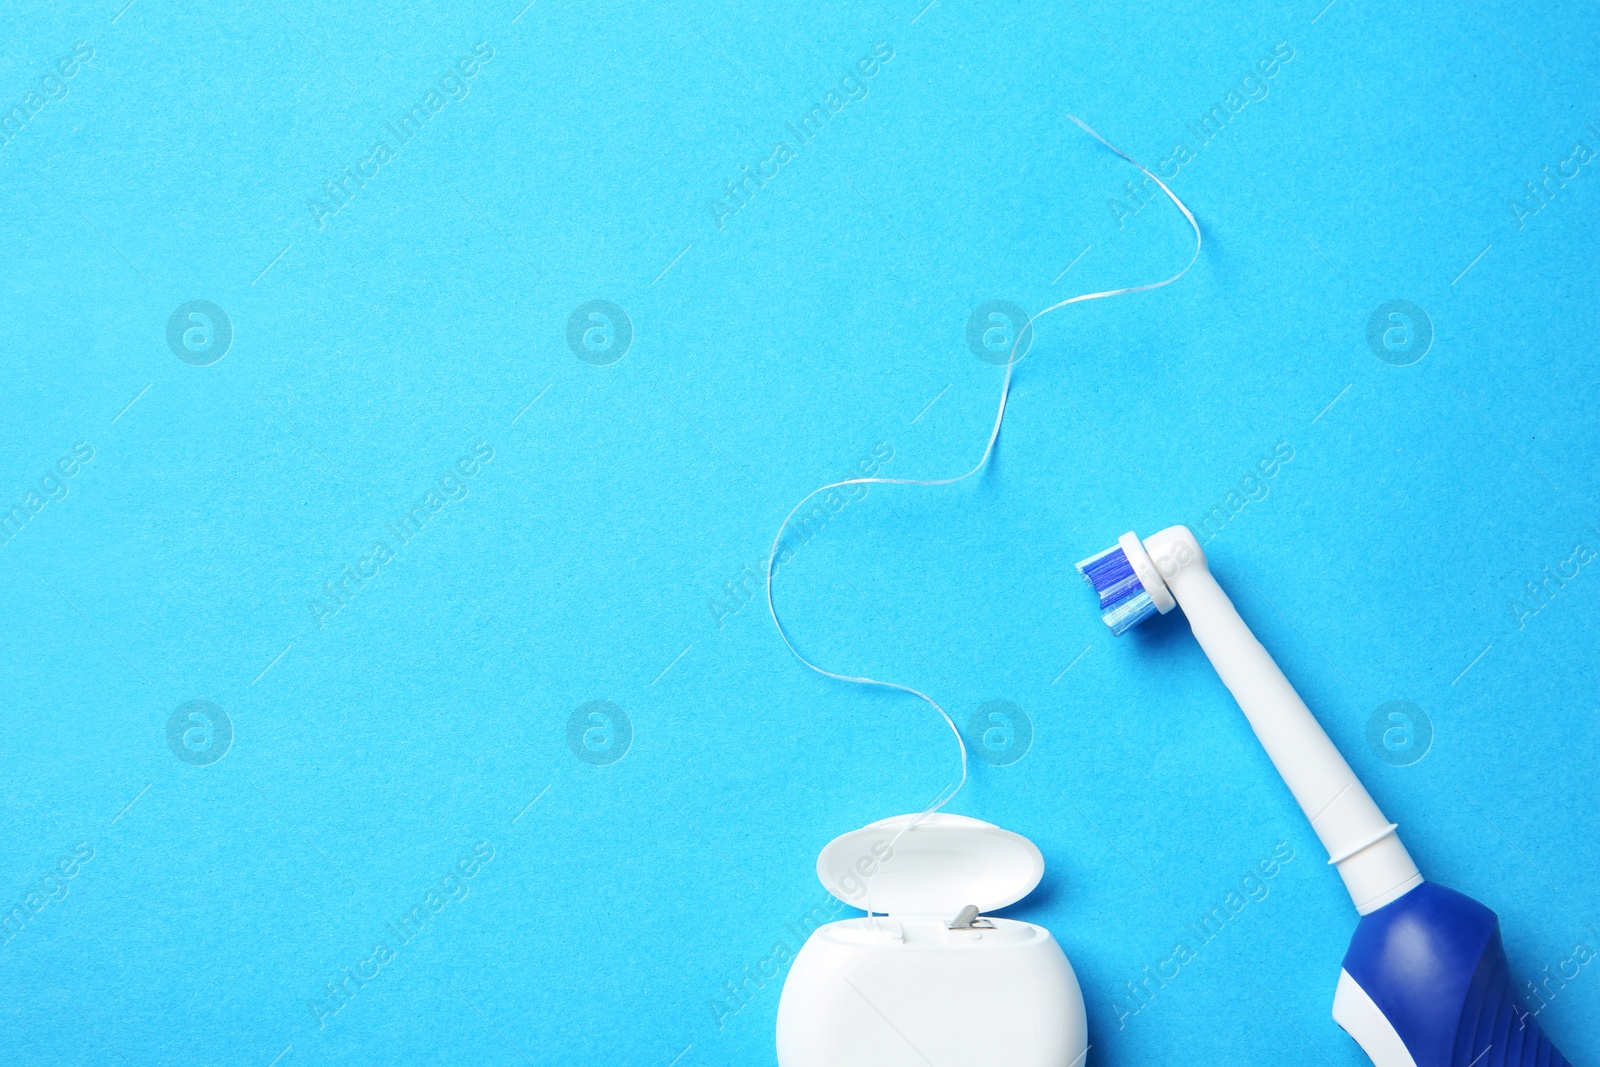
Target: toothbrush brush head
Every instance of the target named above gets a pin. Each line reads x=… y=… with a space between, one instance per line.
x=1124 y=601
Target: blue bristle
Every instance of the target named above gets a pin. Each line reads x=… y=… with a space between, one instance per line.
x=1124 y=603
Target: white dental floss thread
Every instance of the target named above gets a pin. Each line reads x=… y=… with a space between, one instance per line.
x=949 y=794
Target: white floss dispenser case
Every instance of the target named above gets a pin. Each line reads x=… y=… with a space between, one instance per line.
x=931 y=980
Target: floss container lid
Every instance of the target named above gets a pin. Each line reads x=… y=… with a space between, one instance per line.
x=940 y=866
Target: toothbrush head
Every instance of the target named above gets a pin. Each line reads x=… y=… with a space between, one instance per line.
x=1124 y=603
x=1126 y=581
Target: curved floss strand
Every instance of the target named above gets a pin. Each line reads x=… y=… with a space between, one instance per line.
x=949 y=793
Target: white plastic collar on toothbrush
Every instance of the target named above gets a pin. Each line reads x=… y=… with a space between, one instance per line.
x=1334 y=861
x=1147 y=573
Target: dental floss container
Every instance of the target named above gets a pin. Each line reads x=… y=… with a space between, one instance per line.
x=928 y=979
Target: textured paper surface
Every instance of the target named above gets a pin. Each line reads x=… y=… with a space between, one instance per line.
x=557 y=672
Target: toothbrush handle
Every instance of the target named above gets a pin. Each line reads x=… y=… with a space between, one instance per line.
x=1426 y=984
x=1361 y=843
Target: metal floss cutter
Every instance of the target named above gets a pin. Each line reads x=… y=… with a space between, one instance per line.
x=929 y=981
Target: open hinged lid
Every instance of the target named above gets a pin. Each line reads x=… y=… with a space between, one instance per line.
x=937 y=867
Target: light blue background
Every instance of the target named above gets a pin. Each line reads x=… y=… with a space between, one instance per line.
x=372 y=752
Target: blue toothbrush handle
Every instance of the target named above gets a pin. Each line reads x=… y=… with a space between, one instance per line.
x=1426 y=984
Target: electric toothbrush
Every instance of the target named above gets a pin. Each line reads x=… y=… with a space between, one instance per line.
x=1425 y=982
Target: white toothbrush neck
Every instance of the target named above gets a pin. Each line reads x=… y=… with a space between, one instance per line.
x=1375 y=866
